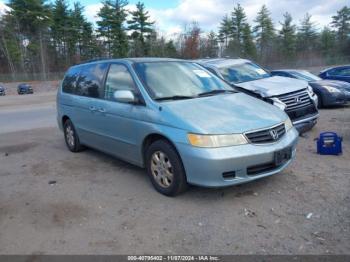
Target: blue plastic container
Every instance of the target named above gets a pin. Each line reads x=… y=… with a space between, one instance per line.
x=329 y=143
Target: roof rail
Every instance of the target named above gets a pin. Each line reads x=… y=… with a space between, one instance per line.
x=92 y=60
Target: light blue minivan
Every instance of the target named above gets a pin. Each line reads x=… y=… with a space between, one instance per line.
x=176 y=119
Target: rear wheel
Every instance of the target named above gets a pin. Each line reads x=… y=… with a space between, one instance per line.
x=165 y=168
x=71 y=137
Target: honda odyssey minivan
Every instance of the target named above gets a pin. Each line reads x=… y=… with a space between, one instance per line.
x=176 y=119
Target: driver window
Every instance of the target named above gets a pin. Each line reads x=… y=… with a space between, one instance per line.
x=118 y=78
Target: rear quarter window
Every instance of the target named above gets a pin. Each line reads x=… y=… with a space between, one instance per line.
x=86 y=80
x=70 y=80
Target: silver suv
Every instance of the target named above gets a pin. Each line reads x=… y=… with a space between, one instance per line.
x=293 y=96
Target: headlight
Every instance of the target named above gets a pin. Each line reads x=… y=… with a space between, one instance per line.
x=216 y=140
x=332 y=89
x=278 y=103
x=310 y=90
x=288 y=124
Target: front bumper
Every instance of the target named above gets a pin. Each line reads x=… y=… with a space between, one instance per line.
x=334 y=99
x=208 y=166
x=306 y=123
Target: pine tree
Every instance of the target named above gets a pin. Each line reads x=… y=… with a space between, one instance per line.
x=341 y=22
x=225 y=31
x=31 y=20
x=287 y=37
x=111 y=27
x=327 y=42
x=170 y=49
x=307 y=35
x=265 y=33
x=249 y=48
x=60 y=19
x=141 y=27
x=210 y=46
x=239 y=21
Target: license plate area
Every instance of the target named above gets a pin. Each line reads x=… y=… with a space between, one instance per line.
x=283 y=156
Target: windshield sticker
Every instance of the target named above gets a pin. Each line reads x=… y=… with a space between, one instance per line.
x=201 y=73
x=260 y=71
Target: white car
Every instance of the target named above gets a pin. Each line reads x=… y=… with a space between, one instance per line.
x=293 y=96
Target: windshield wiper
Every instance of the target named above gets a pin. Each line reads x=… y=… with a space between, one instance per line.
x=177 y=97
x=215 y=92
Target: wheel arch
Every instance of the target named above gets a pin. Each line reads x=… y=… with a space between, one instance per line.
x=151 y=138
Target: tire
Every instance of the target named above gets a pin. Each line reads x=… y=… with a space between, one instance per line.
x=165 y=169
x=71 y=137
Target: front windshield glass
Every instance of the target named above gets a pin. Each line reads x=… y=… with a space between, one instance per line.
x=243 y=72
x=305 y=75
x=178 y=79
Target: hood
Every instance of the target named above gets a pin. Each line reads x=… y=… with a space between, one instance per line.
x=221 y=114
x=274 y=86
x=333 y=83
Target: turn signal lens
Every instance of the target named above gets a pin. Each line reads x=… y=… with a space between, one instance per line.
x=288 y=124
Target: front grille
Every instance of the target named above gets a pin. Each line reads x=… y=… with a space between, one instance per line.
x=267 y=135
x=302 y=113
x=296 y=100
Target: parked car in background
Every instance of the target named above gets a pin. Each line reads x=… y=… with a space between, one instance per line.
x=2 y=91
x=341 y=73
x=180 y=122
x=293 y=96
x=329 y=92
x=24 y=89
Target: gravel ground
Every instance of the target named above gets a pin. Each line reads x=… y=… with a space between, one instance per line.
x=56 y=202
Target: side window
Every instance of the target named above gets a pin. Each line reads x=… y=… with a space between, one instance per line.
x=90 y=82
x=70 y=80
x=345 y=72
x=335 y=72
x=118 y=78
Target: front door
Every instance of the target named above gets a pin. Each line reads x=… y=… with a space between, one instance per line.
x=120 y=124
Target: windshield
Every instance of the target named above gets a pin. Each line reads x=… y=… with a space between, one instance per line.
x=305 y=75
x=178 y=80
x=243 y=72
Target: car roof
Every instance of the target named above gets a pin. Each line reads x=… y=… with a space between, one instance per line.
x=130 y=60
x=335 y=67
x=221 y=62
x=289 y=70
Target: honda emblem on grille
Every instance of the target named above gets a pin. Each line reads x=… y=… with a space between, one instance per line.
x=298 y=100
x=274 y=134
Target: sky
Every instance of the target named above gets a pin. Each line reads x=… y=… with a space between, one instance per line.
x=172 y=15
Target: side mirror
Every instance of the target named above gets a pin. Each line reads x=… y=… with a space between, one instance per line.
x=124 y=96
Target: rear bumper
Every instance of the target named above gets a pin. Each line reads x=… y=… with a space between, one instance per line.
x=211 y=167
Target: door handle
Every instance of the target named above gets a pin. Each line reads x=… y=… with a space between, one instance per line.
x=102 y=110
x=92 y=108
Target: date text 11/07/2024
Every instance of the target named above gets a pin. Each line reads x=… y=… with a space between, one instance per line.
x=173 y=258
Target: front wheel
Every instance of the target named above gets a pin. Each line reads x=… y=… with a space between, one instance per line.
x=165 y=169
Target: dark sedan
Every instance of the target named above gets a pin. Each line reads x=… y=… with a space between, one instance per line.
x=341 y=73
x=2 y=91
x=329 y=92
x=24 y=89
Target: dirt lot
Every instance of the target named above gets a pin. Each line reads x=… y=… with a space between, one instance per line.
x=56 y=202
